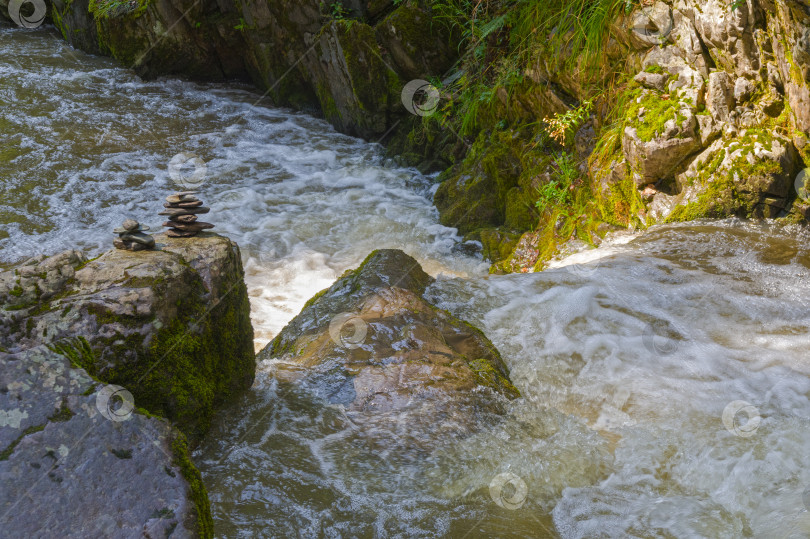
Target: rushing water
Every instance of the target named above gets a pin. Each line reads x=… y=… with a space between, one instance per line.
x=632 y=359
x=87 y=144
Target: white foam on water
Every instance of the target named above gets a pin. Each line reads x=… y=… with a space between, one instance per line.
x=649 y=349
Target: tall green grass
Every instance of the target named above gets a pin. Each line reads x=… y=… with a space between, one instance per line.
x=500 y=39
x=576 y=28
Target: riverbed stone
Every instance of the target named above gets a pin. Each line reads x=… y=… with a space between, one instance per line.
x=372 y=342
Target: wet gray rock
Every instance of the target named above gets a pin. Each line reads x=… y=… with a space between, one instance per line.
x=74 y=464
x=350 y=68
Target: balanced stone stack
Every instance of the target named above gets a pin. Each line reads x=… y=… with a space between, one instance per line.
x=131 y=237
x=182 y=209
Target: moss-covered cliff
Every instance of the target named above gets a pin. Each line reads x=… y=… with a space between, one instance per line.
x=643 y=112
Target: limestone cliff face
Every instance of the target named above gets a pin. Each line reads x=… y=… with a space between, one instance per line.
x=733 y=133
x=708 y=117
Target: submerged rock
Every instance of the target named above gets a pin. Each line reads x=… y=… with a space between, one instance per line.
x=371 y=342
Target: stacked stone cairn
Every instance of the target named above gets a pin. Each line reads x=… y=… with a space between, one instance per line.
x=131 y=237
x=182 y=209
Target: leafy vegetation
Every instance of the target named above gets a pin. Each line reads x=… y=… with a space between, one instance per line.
x=103 y=9
x=524 y=59
x=79 y=352
x=563 y=126
x=508 y=48
x=558 y=191
x=500 y=39
x=335 y=10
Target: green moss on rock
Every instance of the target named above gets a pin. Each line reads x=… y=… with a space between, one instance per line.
x=198 y=493
x=732 y=181
x=498 y=243
x=649 y=111
x=191 y=365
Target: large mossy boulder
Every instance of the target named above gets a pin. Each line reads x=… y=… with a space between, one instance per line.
x=171 y=325
x=661 y=134
x=75 y=462
x=372 y=343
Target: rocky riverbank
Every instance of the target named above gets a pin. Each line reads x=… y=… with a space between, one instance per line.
x=172 y=324
x=125 y=356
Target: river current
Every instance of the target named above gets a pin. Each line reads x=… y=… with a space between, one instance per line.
x=665 y=378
